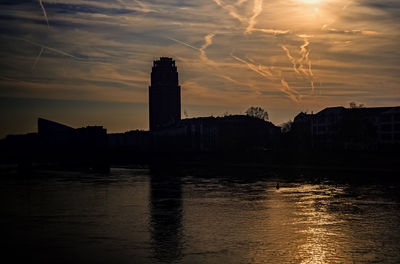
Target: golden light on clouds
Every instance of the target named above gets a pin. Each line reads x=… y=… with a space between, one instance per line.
x=286 y=56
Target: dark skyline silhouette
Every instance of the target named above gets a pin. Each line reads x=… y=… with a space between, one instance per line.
x=243 y=138
x=164 y=94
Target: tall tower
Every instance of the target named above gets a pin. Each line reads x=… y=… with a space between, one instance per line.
x=164 y=94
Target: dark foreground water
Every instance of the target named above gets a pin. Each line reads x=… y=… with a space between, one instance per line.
x=131 y=216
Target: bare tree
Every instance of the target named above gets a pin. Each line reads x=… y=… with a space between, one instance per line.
x=286 y=127
x=354 y=105
x=257 y=112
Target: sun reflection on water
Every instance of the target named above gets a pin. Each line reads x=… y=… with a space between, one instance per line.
x=315 y=223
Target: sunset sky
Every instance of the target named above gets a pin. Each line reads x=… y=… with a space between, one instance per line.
x=88 y=62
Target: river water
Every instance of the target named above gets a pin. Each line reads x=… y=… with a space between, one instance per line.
x=132 y=216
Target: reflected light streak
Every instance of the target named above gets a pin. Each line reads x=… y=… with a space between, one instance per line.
x=318 y=239
x=319 y=242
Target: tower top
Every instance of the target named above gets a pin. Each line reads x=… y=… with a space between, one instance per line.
x=164 y=72
x=164 y=62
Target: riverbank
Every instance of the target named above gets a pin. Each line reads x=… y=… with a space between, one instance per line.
x=244 y=164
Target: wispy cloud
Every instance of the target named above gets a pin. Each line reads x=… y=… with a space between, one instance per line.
x=260 y=51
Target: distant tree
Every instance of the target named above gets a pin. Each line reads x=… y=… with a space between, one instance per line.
x=286 y=127
x=257 y=112
x=354 y=105
x=185 y=113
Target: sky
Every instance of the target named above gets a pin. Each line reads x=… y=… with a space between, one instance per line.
x=88 y=62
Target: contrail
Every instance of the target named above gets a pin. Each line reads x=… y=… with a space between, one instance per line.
x=302 y=65
x=207 y=42
x=271 y=31
x=290 y=92
x=37 y=58
x=304 y=56
x=44 y=12
x=232 y=80
x=184 y=43
x=48 y=25
x=48 y=48
x=311 y=74
x=52 y=49
x=260 y=69
x=44 y=47
x=257 y=9
x=250 y=21
x=231 y=11
x=297 y=64
x=305 y=60
x=291 y=59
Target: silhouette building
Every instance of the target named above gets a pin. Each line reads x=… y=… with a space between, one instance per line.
x=339 y=128
x=164 y=94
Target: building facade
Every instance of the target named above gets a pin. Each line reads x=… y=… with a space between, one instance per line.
x=235 y=133
x=374 y=128
x=164 y=95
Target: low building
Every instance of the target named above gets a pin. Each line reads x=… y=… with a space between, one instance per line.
x=217 y=134
x=339 y=128
x=56 y=136
x=136 y=140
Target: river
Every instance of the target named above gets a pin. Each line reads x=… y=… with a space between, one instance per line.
x=134 y=216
